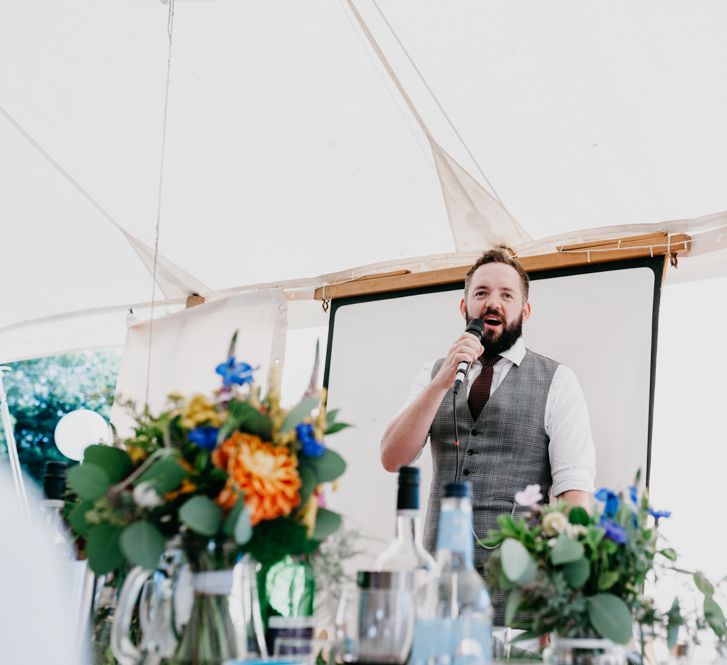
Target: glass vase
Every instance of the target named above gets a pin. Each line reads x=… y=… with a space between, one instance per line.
x=218 y=610
x=583 y=651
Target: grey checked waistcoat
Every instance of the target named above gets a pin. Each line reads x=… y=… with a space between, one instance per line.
x=500 y=454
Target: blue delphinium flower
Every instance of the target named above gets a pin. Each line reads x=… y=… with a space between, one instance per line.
x=311 y=446
x=658 y=514
x=633 y=494
x=204 y=437
x=614 y=531
x=233 y=372
x=610 y=498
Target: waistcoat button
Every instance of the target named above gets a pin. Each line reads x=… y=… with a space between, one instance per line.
x=470 y=452
x=466 y=472
x=474 y=432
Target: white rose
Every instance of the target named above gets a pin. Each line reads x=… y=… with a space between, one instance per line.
x=146 y=496
x=576 y=530
x=554 y=523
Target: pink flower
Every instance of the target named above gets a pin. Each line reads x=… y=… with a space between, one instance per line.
x=529 y=496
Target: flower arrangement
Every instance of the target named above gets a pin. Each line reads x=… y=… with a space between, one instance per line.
x=234 y=469
x=576 y=574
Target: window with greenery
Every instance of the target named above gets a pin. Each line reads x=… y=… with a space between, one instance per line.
x=42 y=390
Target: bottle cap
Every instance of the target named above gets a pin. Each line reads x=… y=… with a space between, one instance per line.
x=460 y=490
x=54 y=479
x=408 y=495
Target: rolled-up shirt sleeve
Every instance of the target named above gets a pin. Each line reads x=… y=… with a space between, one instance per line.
x=571 y=449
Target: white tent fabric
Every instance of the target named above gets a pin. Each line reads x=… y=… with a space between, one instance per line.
x=289 y=152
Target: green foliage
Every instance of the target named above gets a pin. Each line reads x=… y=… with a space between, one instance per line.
x=327 y=468
x=275 y=539
x=327 y=523
x=115 y=462
x=89 y=481
x=582 y=575
x=142 y=544
x=201 y=515
x=103 y=549
x=611 y=617
x=245 y=418
x=298 y=413
x=164 y=475
x=41 y=391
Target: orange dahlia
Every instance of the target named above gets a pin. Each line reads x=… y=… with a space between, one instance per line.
x=267 y=475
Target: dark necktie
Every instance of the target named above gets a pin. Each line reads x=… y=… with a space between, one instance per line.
x=480 y=390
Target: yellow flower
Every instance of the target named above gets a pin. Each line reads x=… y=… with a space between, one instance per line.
x=187 y=487
x=309 y=513
x=266 y=474
x=137 y=454
x=200 y=411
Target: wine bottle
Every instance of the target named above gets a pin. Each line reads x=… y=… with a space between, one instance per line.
x=406 y=551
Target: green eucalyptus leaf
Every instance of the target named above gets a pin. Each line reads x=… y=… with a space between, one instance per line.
x=331 y=416
x=165 y=475
x=611 y=617
x=308 y=479
x=103 y=550
x=243 y=527
x=513 y=602
x=115 y=462
x=327 y=523
x=703 y=584
x=714 y=616
x=517 y=563
x=669 y=553
x=202 y=515
x=329 y=466
x=245 y=418
x=143 y=544
x=89 y=481
x=607 y=579
x=578 y=515
x=566 y=550
x=298 y=413
x=674 y=621
x=77 y=518
x=337 y=427
x=577 y=572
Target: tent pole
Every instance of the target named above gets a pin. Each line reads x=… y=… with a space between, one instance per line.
x=11 y=445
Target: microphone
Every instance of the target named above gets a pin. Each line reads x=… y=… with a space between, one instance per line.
x=475 y=327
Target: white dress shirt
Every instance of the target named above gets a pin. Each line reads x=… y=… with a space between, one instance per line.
x=571 y=450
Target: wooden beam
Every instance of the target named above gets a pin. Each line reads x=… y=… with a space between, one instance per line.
x=194 y=300
x=567 y=256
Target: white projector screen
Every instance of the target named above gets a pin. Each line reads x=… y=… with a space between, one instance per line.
x=600 y=320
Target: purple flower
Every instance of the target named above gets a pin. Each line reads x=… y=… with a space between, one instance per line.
x=311 y=447
x=658 y=514
x=614 y=531
x=233 y=372
x=610 y=498
x=204 y=437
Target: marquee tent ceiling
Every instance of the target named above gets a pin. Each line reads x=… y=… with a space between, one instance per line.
x=289 y=153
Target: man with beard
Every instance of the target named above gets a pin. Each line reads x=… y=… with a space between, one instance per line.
x=522 y=419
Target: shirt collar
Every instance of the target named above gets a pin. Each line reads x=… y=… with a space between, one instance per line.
x=516 y=353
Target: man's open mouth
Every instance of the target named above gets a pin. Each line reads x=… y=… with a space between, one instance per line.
x=491 y=320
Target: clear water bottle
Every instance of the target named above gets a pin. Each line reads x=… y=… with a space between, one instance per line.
x=406 y=552
x=459 y=630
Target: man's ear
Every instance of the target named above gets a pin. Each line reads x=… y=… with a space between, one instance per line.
x=463 y=309
x=526 y=311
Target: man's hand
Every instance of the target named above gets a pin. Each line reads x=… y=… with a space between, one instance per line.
x=468 y=348
x=577 y=498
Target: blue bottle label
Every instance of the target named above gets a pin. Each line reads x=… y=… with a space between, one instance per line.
x=455 y=533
